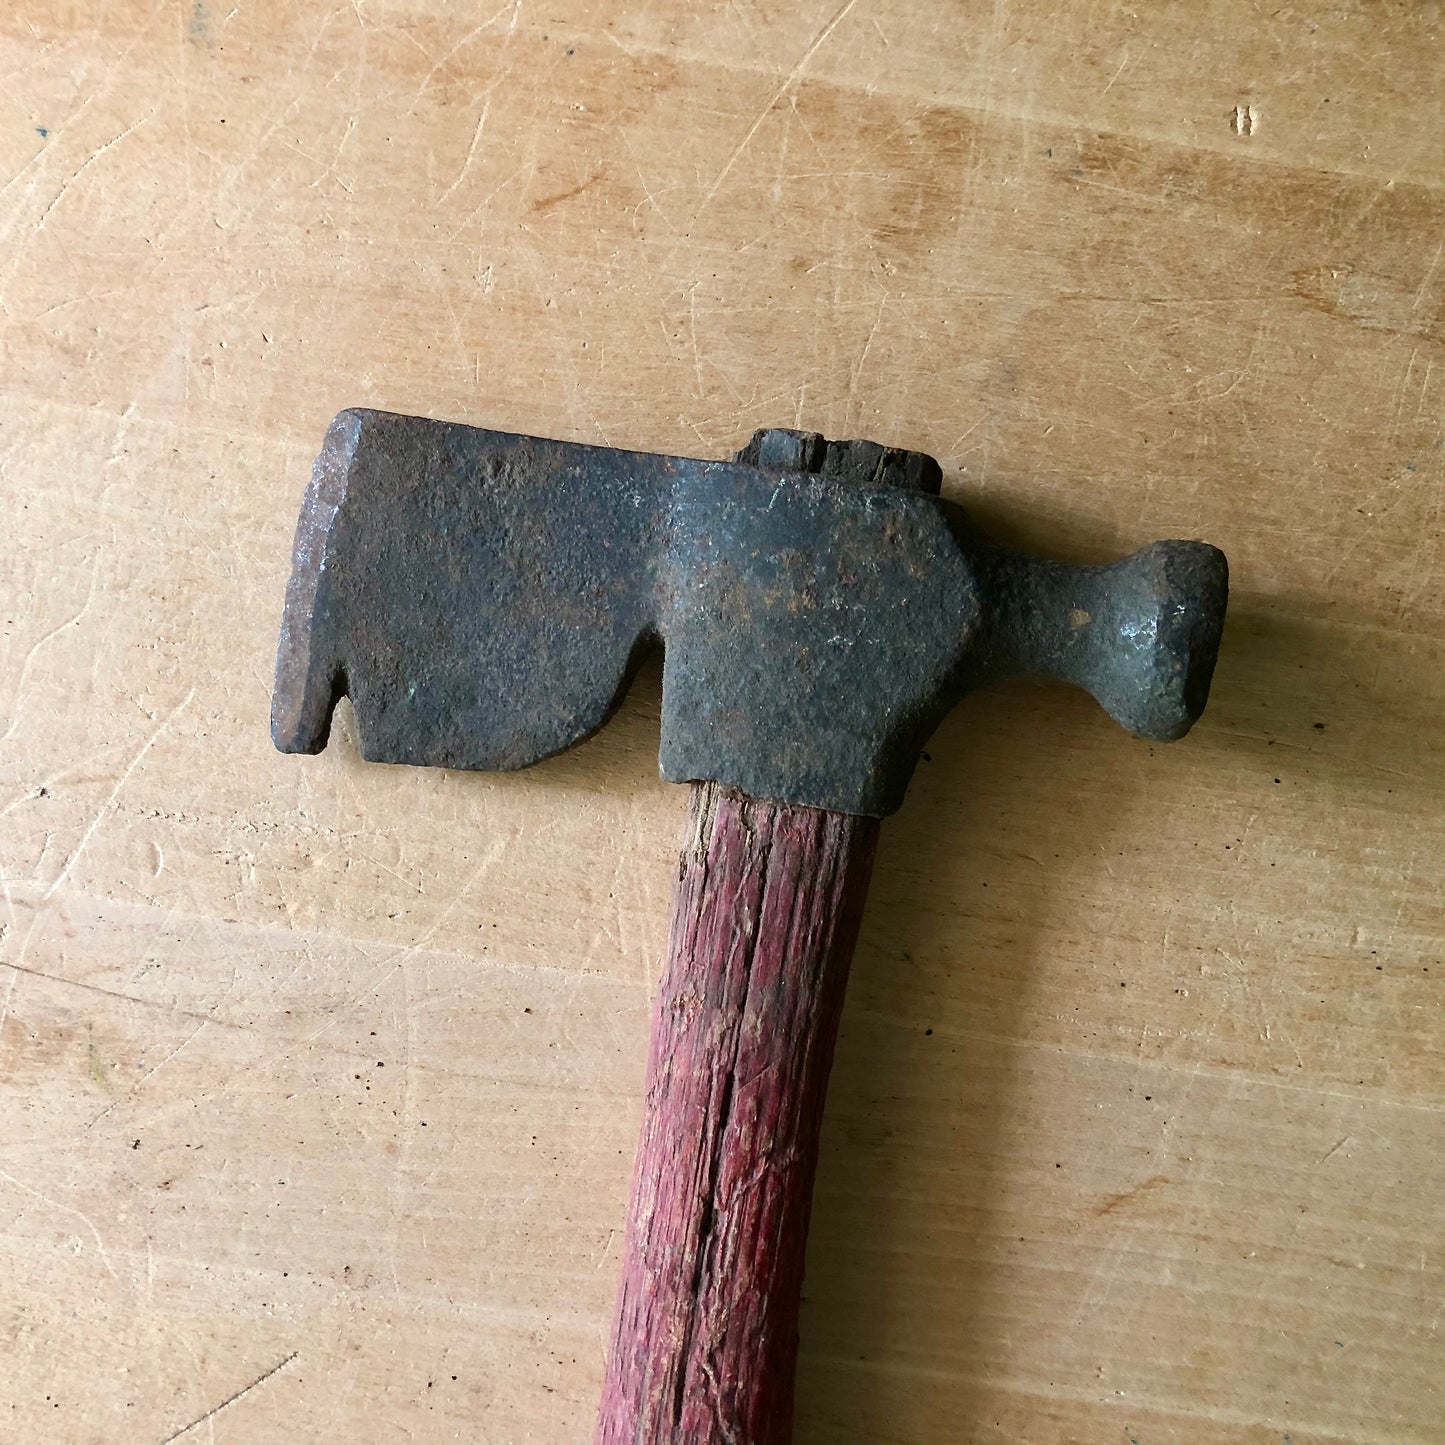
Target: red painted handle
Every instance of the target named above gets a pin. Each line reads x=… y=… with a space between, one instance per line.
x=764 y=919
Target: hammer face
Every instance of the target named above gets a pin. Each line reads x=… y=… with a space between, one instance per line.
x=482 y=597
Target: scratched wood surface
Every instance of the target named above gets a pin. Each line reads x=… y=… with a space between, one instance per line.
x=319 y=1081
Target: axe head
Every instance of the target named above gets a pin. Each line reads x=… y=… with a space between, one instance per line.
x=482 y=598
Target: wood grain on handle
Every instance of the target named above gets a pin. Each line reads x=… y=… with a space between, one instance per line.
x=765 y=916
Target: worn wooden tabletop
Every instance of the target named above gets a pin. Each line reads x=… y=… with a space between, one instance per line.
x=319 y=1080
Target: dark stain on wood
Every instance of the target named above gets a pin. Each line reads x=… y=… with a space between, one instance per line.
x=1111 y=1202
x=546 y=203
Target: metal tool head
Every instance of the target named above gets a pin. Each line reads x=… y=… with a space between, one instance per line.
x=482 y=598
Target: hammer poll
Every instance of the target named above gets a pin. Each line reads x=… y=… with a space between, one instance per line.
x=483 y=599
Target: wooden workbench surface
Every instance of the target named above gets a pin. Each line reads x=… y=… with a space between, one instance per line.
x=319 y=1080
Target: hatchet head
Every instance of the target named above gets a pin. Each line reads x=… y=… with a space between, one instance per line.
x=482 y=598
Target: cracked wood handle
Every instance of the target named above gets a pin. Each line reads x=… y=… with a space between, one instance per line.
x=768 y=902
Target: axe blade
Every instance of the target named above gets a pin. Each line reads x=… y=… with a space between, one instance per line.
x=480 y=596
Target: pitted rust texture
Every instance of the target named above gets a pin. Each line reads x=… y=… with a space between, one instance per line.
x=483 y=597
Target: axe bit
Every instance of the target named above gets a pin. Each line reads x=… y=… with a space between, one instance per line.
x=483 y=599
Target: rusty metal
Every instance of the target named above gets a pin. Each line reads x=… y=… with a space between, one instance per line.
x=483 y=597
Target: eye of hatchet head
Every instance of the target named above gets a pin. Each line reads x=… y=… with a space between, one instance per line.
x=482 y=598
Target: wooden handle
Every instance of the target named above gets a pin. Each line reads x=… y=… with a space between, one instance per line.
x=769 y=898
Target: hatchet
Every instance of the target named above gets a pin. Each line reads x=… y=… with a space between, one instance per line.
x=483 y=599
